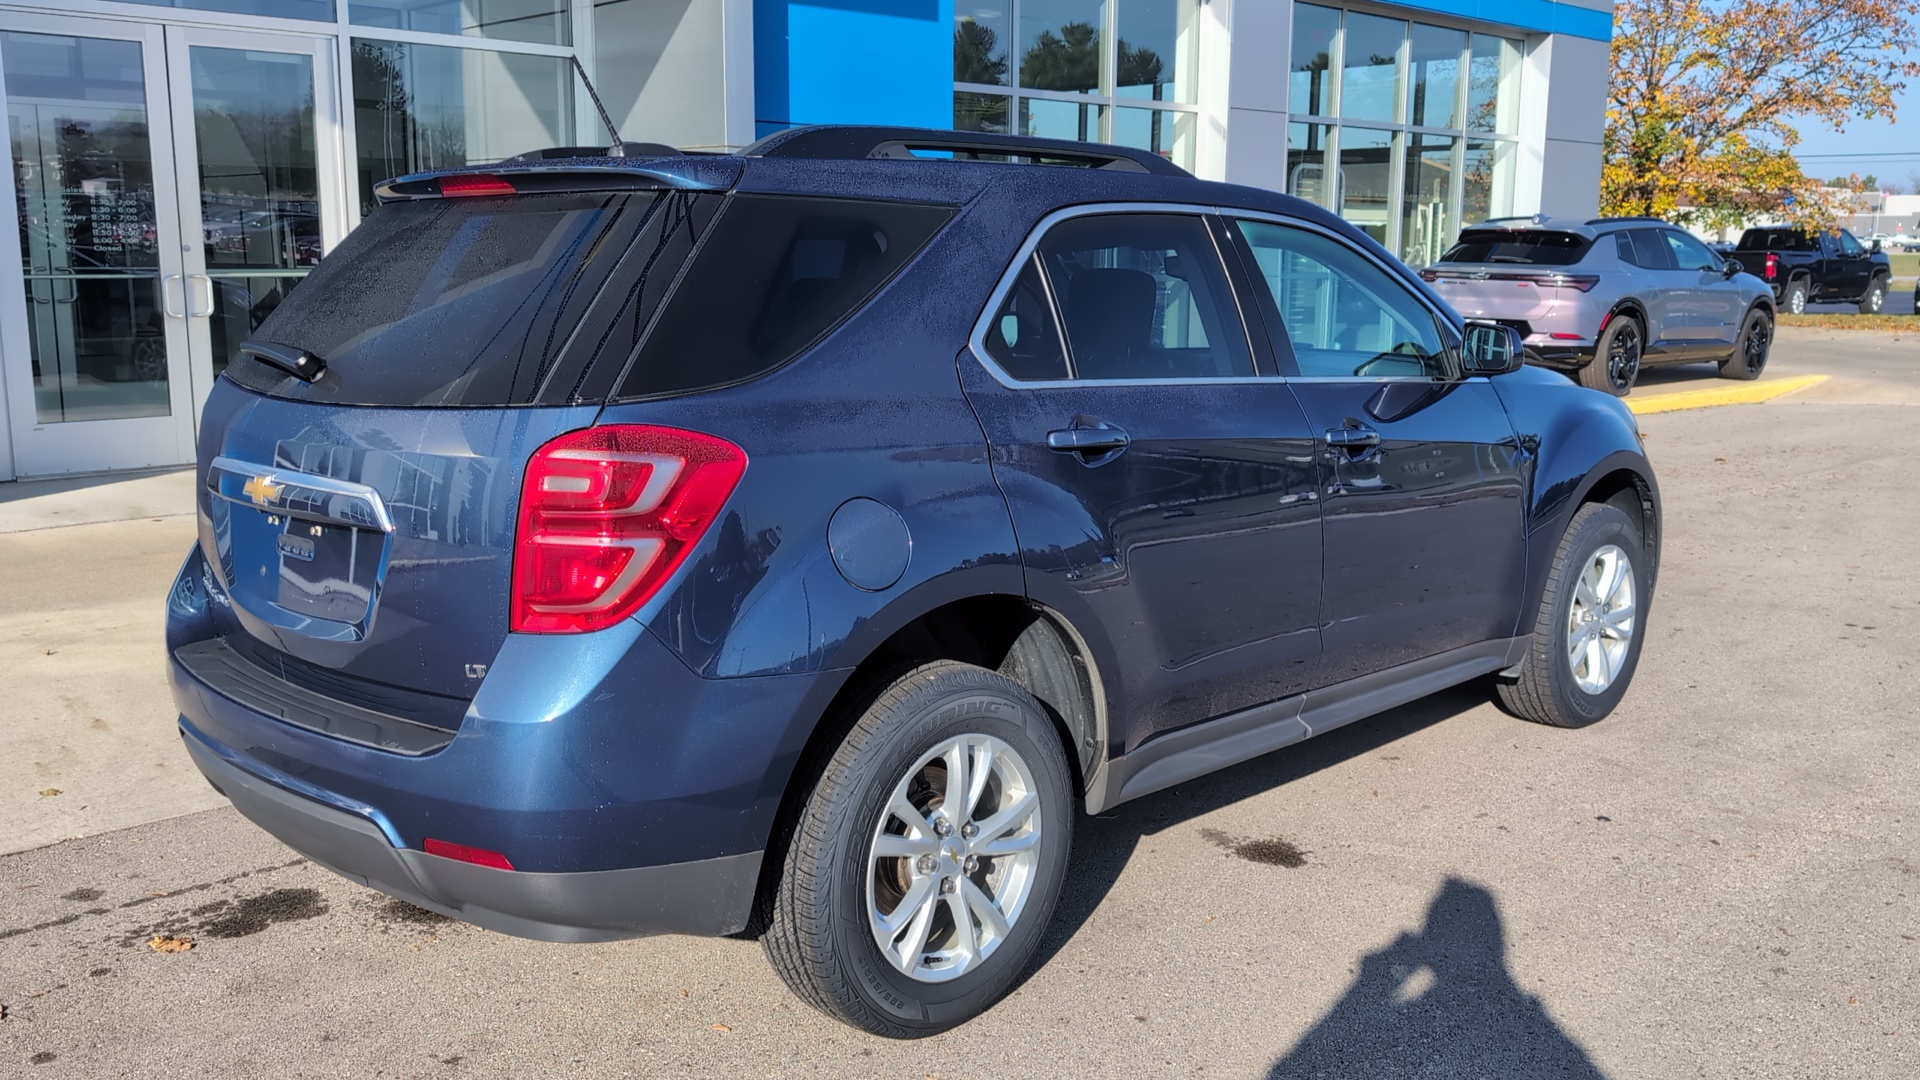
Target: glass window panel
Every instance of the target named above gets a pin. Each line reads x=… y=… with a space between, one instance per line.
x=1366 y=179
x=1060 y=119
x=1487 y=172
x=1370 y=75
x=1061 y=44
x=1345 y=316
x=1159 y=49
x=1493 y=86
x=1163 y=131
x=83 y=182
x=980 y=112
x=1309 y=172
x=1144 y=296
x=1427 y=227
x=1024 y=340
x=321 y=10
x=543 y=21
x=259 y=183
x=1311 y=86
x=1433 y=76
x=982 y=35
x=422 y=107
x=661 y=70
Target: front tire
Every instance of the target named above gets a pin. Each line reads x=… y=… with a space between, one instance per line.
x=1795 y=299
x=1592 y=621
x=1616 y=358
x=1750 y=349
x=897 y=913
x=1876 y=299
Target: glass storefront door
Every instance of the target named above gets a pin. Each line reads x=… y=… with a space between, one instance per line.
x=170 y=187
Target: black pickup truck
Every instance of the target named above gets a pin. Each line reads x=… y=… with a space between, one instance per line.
x=1816 y=268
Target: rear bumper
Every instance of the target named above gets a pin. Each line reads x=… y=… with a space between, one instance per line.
x=711 y=896
x=1561 y=356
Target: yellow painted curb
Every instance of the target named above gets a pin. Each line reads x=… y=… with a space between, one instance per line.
x=1741 y=394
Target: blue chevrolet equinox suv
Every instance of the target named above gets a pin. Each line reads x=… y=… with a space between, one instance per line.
x=796 y=541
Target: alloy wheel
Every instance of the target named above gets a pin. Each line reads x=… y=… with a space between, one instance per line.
x=1754 y=348
x=953 y=858
x=1600 y=621
x=1623 y=357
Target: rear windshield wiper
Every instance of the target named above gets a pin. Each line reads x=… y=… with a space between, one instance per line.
x=298 y=363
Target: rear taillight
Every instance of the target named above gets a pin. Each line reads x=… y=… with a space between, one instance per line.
x=474 y=184
x=607 y=514
x=1773 y=265
x=477 y=856
x=1429 y=275
x=1582 y=282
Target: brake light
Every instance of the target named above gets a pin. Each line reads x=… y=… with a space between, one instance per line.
x=1583 y=282
x=1429 y=275
x=467 y=185
x=1773 y=265
x=607 y=514
x=477 y=856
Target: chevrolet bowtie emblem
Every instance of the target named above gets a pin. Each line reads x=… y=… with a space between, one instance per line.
x=262 y=490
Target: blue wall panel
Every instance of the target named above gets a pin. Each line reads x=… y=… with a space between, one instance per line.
x=852 y=62
x=1540 y=16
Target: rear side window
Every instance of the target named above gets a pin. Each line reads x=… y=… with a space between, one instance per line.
x=774 y=275
x=1532 y=247
x=1023 y=339
x=1646 y=249
x=449 y=301
x=1144 y=296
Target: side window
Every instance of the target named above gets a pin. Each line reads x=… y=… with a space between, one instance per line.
x=1652 y=250
x=1849 y=245
x=1624 y=245
x=1689 y=253
x=1023 y=339
x=1144 y=296
x=1347 y=317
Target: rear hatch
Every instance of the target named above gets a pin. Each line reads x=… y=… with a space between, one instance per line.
x=363 y=522
x=1517 y=276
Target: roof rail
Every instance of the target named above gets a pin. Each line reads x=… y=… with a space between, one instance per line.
x=1648 y=218
x=629 y=149
x=851 y=142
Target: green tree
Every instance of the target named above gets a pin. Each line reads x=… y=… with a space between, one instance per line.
x=977 y=57
x=1067 y=60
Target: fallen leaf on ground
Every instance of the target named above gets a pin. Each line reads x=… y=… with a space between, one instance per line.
x=48 y=793
x=156 y=894
x=721 y=1027
x=1853 y=1000
x=167 y=943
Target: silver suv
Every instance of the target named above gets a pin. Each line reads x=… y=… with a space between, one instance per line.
x=1598 y=299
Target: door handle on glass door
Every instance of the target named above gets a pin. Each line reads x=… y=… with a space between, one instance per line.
x=208 y=282
x=166 y=296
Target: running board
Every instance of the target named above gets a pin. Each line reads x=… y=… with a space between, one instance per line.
x=1184 y=754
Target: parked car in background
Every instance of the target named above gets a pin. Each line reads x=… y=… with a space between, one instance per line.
x=1600 y=299
x=1804 y=267
x=804 y=538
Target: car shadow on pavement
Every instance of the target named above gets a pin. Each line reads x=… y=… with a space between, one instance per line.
x=1439 y=1003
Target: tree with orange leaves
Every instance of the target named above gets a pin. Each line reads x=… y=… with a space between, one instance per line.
x=1706 y=96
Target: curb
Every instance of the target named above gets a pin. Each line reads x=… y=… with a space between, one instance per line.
x=1748 y=394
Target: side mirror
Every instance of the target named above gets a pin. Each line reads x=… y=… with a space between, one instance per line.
x=1493 y=348
x=1875 y=247
x=1731 y=267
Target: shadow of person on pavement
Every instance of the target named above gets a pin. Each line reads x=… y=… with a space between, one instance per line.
x=1439 y=1003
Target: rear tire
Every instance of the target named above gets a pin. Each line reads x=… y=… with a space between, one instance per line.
x=1616 y=358
x=849 y=880
x=1794 y=300
x=1587 y=636
x=1876 y=299
x=1750 y=349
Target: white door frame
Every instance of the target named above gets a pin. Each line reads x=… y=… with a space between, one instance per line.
x=99 y=445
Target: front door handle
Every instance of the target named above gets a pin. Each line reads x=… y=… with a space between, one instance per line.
x=1353 y=437
x=1095 y=443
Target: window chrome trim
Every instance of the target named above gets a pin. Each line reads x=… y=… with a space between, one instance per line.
x=977 y=341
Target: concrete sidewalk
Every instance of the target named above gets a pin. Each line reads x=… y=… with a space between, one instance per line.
x=84 y=567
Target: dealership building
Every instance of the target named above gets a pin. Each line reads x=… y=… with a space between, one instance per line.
x=178 y=165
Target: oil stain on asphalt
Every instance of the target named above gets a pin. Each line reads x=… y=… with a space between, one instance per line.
x=1270 y=852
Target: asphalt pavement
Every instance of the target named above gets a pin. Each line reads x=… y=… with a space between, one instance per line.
x=1720 y=880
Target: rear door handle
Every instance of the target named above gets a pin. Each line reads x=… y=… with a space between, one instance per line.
x=1354 y=437
x=1095 y=444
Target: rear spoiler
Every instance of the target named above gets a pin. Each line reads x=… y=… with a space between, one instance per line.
x=531 y=176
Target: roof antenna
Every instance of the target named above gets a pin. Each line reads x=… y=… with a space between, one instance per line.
x=619 y=147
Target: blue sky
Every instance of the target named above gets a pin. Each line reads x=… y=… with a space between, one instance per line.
x=1887 y=149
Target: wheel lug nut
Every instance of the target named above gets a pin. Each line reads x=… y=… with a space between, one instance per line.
x=969 y=830
x=942 y=827
x=946 y=886
x=927 y=864
x=972 y=864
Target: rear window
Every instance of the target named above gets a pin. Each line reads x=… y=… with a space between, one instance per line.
x=1777 y=240
x=449 y=301
x=775 y=274
x=1533 y=247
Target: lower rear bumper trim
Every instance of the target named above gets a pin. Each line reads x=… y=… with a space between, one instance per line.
x=707 y=897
